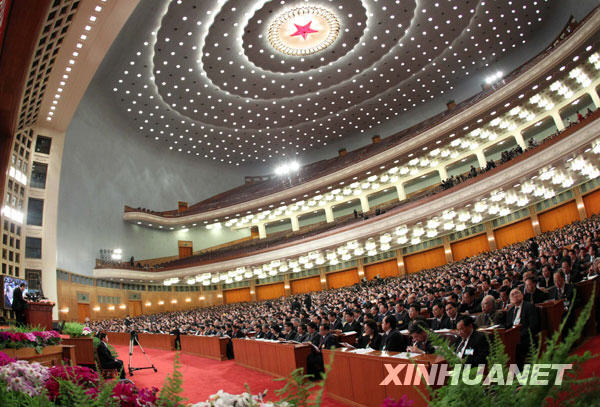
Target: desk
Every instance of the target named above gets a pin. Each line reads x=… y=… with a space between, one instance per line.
x=118 y=338
x=157 y=341
x=584 y=291
x=551 y=313
x=354 y=378
x=39 y=314
x=275 y=358
x=212 y=347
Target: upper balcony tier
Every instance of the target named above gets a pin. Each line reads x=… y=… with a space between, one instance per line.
x=540 y=92
x=553 y=169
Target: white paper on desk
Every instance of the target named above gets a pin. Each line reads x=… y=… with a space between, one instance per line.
x=442 y=331
x=361 y=351
x=404 y=332
x=349 y=333
x=491 y=327
x=406 y=355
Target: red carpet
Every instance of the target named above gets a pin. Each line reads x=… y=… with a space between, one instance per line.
x=202 y=377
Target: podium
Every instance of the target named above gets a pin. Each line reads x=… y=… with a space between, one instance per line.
x=39 y=314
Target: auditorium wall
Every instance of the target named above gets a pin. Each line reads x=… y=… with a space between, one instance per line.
x=238 y=295
x=107 y=165
x=383 y=269
x=425 y=260
x=592 y=203
x=342 y=278
x=514 y=233
x=558 y=217
x=305 y=285
x=470 y=247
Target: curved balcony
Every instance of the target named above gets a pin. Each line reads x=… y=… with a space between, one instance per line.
x=488 y=105
x=561 y=162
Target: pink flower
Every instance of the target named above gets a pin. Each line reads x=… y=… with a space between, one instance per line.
x=5 y=359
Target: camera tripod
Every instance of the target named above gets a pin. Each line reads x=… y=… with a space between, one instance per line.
x=133 y=340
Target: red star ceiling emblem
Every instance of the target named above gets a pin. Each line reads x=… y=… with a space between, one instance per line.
x=303 y=30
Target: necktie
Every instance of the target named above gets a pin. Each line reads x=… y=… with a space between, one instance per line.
x=461 y=348
x=517 y=316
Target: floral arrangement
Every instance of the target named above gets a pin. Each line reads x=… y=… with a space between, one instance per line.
x=24 y=377
x=83 y=377
x=35 y=339
x=223 y=399
x=76 y=330
x=5 y=359
x=401 y=402
x=130 y=396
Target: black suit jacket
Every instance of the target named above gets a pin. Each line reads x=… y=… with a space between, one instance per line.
x=435 y=324
x=354 y=326
x=328 y=341
x=302 y=338
x=394 y=341
x=448 y=323
x=476 y=350
x=374 y=343
x=104 y=356
x=18 y=303
x=530 y=320
x=402 y=320
x=292 y=336
x=537 y=297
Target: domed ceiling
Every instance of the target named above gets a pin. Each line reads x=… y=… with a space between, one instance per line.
x=243 y=81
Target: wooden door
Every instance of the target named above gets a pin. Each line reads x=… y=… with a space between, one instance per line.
x=185 y=248
x=83 y=312
x=135 y=308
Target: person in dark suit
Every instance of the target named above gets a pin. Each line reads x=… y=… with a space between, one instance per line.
x=421 y=343
x=307 y=301
x=474 y=347
x=392 y=339
x=371 y=339
x=106 y=359
x=469 y=305
x=19 y=304
x=302 y=335
x=533 y=294
x=566 y=292
x=452 y=313
x=314 y=361
x=334 y=322
x=289 y=333
x=313 y=335
x=546 y=281
x=489 y=316
x=439 y=318
x=401 y=315
x=350 y=323
x=525 y=315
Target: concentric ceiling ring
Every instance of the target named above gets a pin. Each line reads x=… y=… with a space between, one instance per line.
x=303 y=31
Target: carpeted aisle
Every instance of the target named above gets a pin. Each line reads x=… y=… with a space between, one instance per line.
x=201 y=377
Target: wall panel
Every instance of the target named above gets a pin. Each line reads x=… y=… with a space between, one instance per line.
x=514 y=233
x=342 y=278
x=306 y=285
x=384 y=269
x=425 y=260
x=558 y=217
x=270 y=291
x=239 y=295
x=592 y=203
x=470 y=247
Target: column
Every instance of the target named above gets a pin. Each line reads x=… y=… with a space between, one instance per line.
x=220 y=298
x=364 y=203
x=323 y=276
x=262 y=231
x=489 y=231
x=595 y=98
x=580 y=203
x=295 y=223
x=401 y=192
x=447 y=249
x=520 y=140
x=443 y=173
x=481 y=159
x=329 y=214
x=400 y=259
x=534 y=220
x=286 y=285
x=557 y=120
x=253 y=290
x=360 y=267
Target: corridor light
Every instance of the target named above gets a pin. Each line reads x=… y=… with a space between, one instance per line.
x=493 y=78
x=286 y=169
